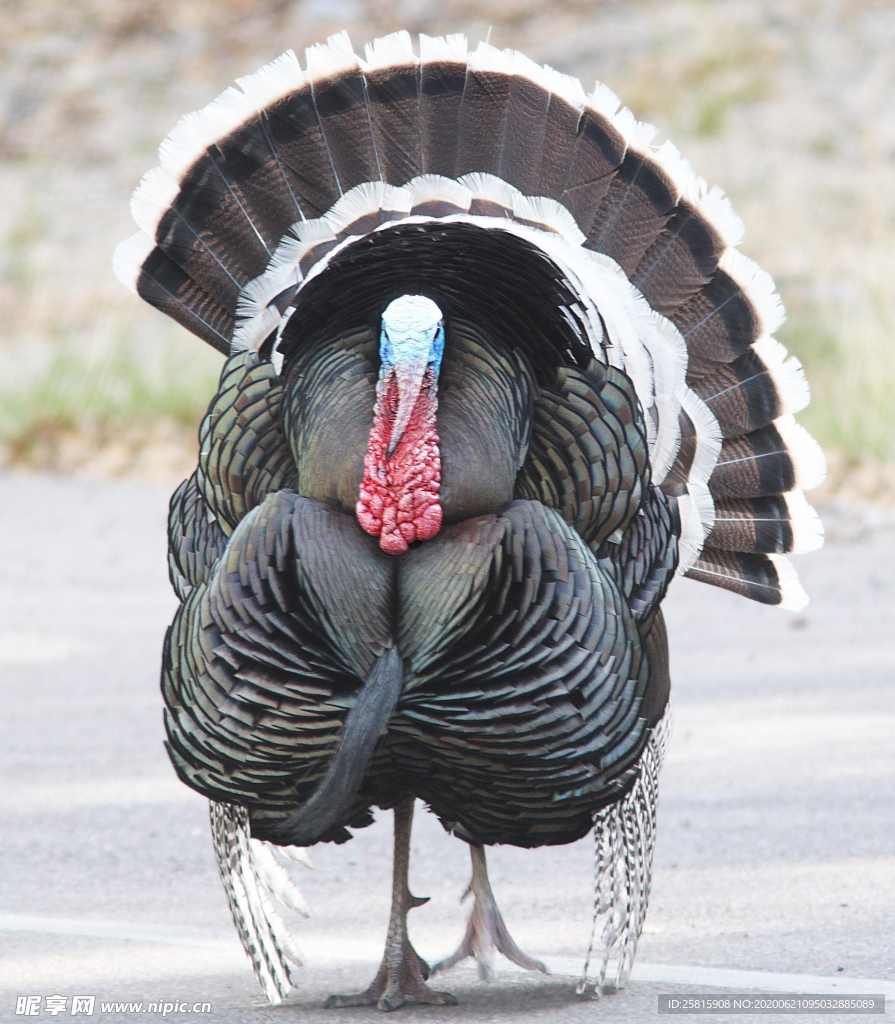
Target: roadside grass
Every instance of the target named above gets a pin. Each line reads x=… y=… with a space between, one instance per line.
x=122 y=406
x=849 y=360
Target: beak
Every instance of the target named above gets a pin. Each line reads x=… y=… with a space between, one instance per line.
x=409 y=377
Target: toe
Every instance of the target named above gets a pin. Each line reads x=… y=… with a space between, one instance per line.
x=359 y=999
x=391 y=1001
x=440 y=999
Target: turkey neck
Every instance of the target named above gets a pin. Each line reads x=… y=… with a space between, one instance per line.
x=483 y=415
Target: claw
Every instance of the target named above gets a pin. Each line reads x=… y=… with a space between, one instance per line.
x=486 y=932
x=401 y=978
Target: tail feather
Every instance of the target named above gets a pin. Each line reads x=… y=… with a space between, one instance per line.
x=768 y=579
x=522 y=149
x=780 y=524
x=146 y=270
x=756 y=388
x=223 y=162
x=637 y=206
x=393 y=98
x=680 y=262
x=442 y=81
x=718 y=324
x=218 y=205
x=599 y=150
x=282 y=77
x=340 y=96
x=221 y=256
x=249 y=169
x=295 y=133
x=182 y=244
x=564 y=111
x=771 y=460
x=483 y=111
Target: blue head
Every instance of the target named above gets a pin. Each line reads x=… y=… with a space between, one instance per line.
x=412 y=332
x=410 y=343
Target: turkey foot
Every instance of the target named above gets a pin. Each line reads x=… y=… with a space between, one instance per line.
x=486 y=931
x=402 y=974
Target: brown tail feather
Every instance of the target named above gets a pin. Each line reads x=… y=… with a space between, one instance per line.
x=441 y=91
x=764 y=578
x=341 y=104
x=599 y=150
x=167 y=287
x=680 y=262
x=560 y=137
x=393 y=98
x=295 y=133
x=522 y=146
x=634 y=211
x=483 y=112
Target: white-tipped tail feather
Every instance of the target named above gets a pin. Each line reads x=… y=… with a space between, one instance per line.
x=638 y=135
x=712 y=204
x=604 y=101
x=193 y=134
x=698 y=501
x=758 y=287
x=153 y=198
x=792 y=595
x=372 y=197
x=548 y=214
x=566 y=87
x=433 y=188
x=274 y=81
x=486 y=57
x=450 y=49
x=708 y=439
x=807 y=528
x=334 y=57
x=693 y=533
x=130 y=255
x=390 y=51
x=787 y=374
x=807 y=458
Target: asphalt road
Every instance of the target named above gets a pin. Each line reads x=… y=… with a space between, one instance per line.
x=776 y=846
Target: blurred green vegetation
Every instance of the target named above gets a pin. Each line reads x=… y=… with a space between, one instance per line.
x=849 y=359
x=121 y=385
x=118 y=388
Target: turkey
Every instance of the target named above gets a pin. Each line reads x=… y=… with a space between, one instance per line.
x=495 y=372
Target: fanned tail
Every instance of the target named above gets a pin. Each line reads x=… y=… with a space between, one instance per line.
x=257 y=193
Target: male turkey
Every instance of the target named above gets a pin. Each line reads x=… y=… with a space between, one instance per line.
x=495 y=371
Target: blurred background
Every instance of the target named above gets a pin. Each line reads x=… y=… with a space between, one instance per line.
x=786 y=105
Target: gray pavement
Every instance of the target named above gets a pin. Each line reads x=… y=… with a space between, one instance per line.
x=776 y=847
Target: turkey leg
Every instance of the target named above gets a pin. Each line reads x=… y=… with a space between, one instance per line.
x=402 y=975
x=486 y=931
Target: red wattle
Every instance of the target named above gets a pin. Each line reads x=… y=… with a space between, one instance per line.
x=399 y=501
